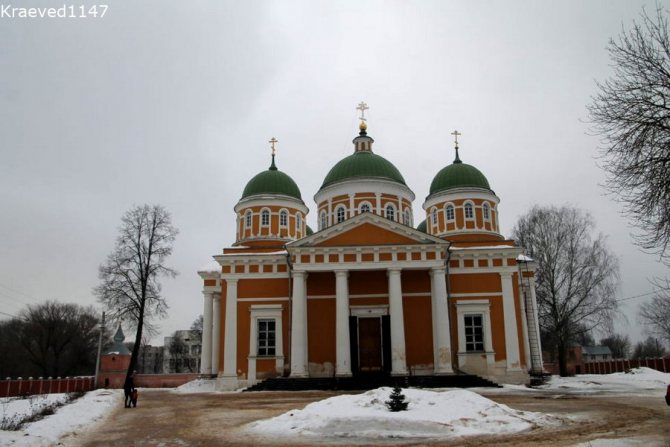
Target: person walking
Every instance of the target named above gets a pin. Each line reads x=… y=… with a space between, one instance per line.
x=129 y=389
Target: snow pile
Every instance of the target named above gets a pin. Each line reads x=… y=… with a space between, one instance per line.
x=430 y=414
x=14 y=410
x=69 y=419
x=197 y=386
x=637 y=379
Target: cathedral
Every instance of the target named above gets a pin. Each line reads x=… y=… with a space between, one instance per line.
x=369 y=292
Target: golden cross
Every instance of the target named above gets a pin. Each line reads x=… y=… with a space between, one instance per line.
x=362 y=107
x=273 y=141
x=456 y=133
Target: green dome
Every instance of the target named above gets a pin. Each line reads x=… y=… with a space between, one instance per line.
x=458 y=175
x=422 y=227
x=363 y=164
x=272 y=181
x=309 y=230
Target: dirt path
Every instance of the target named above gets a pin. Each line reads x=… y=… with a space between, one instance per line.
x=168 y=419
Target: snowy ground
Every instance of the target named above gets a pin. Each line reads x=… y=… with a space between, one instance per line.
x=431 y=414
x=71 y=418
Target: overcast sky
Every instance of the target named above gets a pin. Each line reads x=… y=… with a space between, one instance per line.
x=173 y=102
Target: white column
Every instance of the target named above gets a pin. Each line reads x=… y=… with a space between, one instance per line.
x=509 y=311
x=206 y=354
x=230 y=337
x=398 y=357
x=216 y=332
x=343 y=353
x=351 y=212
x=378 y=203
x=536 y=352
x=441 y=322
x=299 y=325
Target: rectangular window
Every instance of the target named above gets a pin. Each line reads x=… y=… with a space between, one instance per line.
x=474 y=333
x=266 y=337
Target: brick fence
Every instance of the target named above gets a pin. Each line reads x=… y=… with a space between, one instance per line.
x=22 y=387
x=612 y=366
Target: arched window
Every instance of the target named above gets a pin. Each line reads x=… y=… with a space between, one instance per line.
x=298 y=221
x=247 y=219
x=433 y=216
x=390 y=212
x=486 y=211
x=469 y=213
x=323 y=220
x=283 y=218
x=365 y=207
x=265 y=218
x=340 y=214
x=406 y=218
x=450 y=212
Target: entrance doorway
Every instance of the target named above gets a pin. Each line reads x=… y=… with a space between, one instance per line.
x=370 y=344
x=370 y=338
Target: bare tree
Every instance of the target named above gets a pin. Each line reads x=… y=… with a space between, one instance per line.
x=576 y=276
x=618 y=344
x=130 y=286
x=656 y=313
x=631 y=113
x=196 y=327
x=50 y=339
x=179 y=353
x=651 y=348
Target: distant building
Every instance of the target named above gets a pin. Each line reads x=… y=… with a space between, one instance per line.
x=596 y=353
x=181 y=352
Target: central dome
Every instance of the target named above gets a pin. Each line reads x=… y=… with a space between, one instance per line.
x=458 y=175
x=363 y=164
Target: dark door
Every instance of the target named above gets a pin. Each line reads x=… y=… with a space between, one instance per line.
x=370 y=344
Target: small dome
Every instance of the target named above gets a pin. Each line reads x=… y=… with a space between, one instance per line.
x=422 y=226
x=309 y=230
x=363 y=164
x=272 y=181
x=458 y=175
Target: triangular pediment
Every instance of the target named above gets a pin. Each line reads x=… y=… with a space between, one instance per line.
x=365 y=230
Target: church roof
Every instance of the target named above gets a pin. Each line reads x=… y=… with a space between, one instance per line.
x=422 y=226
x=458 y=175
x=272 y=181
x=118 y=347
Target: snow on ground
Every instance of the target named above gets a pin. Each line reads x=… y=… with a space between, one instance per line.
x=17 y=409
x=197 y=386
x=642 y=380
x=71 y=418
x=431 y=414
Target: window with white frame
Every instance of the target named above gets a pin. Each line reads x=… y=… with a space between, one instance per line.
x=265 y=218
x=247 y=219
x=323 y=221
x=283 y=218
x=266 y=339
x=469 y=212
x=486 y=210
x=298 y=221
x=433 y=216
x=474 y=333
x=365 y=207
x=449 y=211
x=340 y=214
x=390 y=212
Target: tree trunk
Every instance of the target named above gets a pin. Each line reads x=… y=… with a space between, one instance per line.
x=562 y=348
x=138 y=339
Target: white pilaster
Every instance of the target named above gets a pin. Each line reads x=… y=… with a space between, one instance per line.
x=398 y=356
x=230 y=333
x=352 y=210
x=299 y=325
x=378 y=203
x=216 y=332
x=343 y=353
x=206 y=354
x=442 y=345
x=511 y=334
